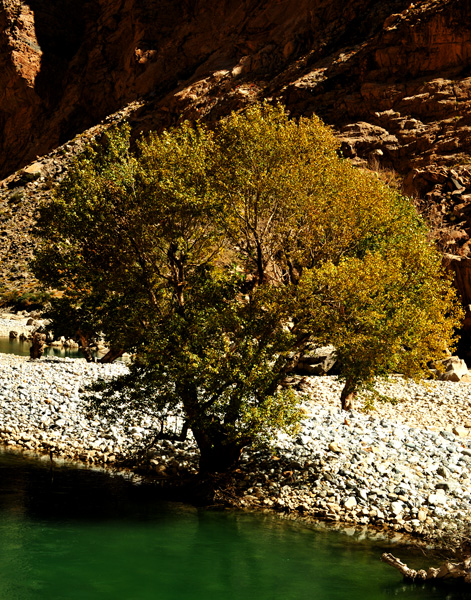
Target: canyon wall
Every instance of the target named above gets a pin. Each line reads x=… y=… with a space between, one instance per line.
x=392 y=77
x=398 y=67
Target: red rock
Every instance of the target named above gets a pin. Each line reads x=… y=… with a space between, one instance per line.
x=64 y=66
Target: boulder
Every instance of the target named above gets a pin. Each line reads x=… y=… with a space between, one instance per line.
x=460 y=431
x=70 y=344
x=350 y=503
x=397 y=508
x=451 y=369
x=317 y=361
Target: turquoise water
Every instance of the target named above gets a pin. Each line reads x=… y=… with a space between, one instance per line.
x=82 y=535
x=19 y=348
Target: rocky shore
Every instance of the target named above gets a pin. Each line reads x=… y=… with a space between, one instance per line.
x=404 y=466
x=19 y=325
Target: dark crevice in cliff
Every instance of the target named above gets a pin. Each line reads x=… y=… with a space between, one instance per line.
x=60 y=29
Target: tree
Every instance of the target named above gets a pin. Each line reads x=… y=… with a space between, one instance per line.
x=384 y=313
x=217 y=256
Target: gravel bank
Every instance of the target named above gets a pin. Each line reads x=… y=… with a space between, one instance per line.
x=18 y=324
x=405 y=466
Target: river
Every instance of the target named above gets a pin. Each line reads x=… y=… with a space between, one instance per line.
x=20 y=348
x=78 y=534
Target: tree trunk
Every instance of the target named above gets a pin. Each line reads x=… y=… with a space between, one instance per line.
x=37 y=347
x=111 y=355
x=217 y=455
x=85 y=347
x=348 y=394
x=87 y=353
x=448 y=570
x=219 y=458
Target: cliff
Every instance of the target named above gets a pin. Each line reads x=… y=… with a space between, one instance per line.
x=391 y=76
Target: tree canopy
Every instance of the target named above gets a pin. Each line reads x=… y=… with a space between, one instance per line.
x=216 y=256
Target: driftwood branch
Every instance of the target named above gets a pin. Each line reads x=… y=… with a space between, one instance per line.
x=447 y=570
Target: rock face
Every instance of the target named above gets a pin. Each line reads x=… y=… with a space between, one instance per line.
x=390 y=75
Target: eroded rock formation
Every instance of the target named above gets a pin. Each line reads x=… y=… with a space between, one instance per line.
x=390 y=75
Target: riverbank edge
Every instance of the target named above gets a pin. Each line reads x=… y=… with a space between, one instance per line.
x=218 y=495
x=230 y=492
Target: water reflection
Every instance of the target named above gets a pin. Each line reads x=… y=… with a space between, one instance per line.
x=75 y=534
x=20 y=348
